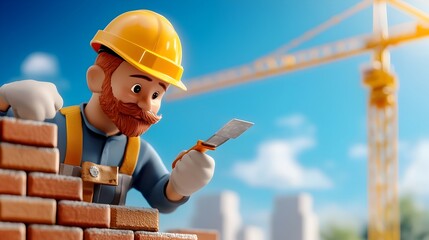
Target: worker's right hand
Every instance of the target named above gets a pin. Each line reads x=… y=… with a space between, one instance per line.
x=30 y=99
x=192 y=172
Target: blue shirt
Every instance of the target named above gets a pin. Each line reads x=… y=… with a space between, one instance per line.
x=149 y=178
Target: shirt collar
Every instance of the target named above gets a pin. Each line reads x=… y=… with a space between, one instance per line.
x=94 y=129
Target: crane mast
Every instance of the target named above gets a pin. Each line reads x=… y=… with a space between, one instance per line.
x=382 y=155
x=384 y=220
x=384 y=217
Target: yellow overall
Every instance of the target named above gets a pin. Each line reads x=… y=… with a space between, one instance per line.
x=74 y=148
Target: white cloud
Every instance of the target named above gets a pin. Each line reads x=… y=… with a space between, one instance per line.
x=358 y=151
x=40 y=64
x=43 y=67
x=297 y=123
x=276 y=166
x=415 y=178
x=329 y=164
x=292 y=121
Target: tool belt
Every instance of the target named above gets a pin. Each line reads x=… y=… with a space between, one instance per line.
x=94 y=176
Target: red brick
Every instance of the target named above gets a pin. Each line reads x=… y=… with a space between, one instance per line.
x=54 y=186
x=53 y=232
x=12 y=231
x=82 y=214
x=36 y=159
x=13 y=182
x=133 y=218
x=202 y=234
x=27 y=209
x=28 y=132
x=110 y=234
x=141 y=235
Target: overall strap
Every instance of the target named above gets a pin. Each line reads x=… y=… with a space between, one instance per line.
x=131 y=156
x=74 y=135
x=75 y=142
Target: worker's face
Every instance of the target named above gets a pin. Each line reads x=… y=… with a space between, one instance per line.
x=132 y=99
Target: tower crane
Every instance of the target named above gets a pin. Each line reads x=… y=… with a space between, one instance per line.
x=384 y=223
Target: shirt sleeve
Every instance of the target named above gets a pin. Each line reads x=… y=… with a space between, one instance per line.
x=151 y=178
x=8 y=113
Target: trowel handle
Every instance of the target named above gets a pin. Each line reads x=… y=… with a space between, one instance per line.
x=200 y=147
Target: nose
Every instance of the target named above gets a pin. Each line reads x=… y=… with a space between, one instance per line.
x=145 y=103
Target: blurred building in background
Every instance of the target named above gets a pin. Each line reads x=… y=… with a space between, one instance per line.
x=293 y=218
x=250 y=233
x=220 y=212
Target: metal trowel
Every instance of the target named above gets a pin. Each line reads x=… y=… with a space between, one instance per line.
x=232 y=129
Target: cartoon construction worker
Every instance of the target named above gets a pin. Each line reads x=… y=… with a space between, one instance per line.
x=139 y=57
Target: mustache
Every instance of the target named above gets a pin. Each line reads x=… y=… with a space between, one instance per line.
x=133 y=110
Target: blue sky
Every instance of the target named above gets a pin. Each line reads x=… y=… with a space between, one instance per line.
x=310 y=125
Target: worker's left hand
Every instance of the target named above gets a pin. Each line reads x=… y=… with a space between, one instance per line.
x=30 y=99
x=192 y=172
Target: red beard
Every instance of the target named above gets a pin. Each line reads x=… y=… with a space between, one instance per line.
x=128 y=117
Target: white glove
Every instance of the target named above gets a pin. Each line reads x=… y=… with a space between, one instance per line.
x=192 y=172
x=31 y=99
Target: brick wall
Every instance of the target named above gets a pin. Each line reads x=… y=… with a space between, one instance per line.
x=202 y=234
x=38 y=204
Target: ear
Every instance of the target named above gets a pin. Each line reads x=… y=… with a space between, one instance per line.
x=94 y=78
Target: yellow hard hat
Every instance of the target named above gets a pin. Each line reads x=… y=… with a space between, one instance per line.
x=147 y=41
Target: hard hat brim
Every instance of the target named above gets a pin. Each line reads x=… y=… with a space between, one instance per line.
x=141 y=58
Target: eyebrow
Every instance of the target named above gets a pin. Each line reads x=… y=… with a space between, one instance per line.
x=148 y=79
x=163 y=86
x=141 y=76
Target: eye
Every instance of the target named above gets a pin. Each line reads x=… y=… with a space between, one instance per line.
x=136 y=88
x=155 y=95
